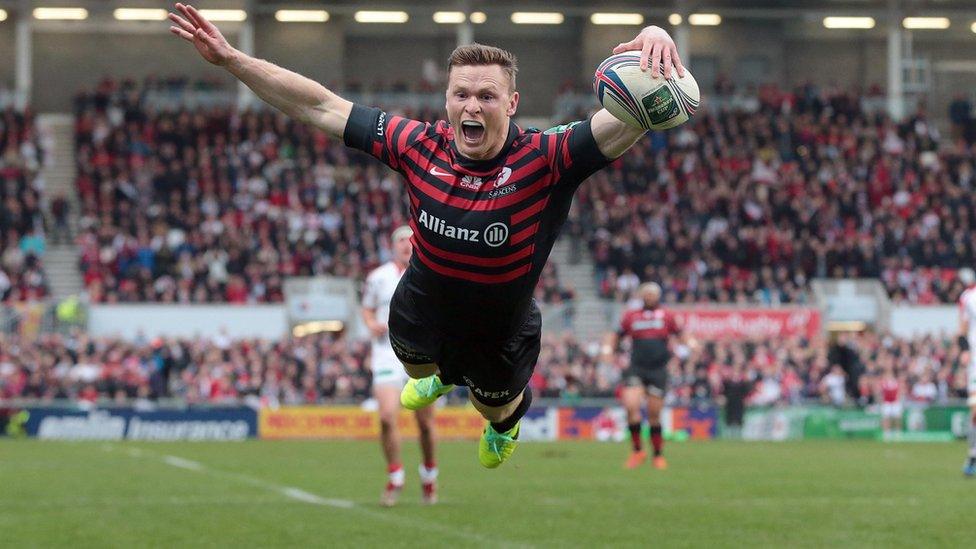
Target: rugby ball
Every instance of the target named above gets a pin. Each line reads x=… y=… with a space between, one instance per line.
x=635 y=98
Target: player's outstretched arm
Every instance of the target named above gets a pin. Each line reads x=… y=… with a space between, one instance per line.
x=659 y=53
x=300 y=98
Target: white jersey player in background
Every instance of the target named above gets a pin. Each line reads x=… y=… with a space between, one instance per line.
x=967 y=341
x=389 y=376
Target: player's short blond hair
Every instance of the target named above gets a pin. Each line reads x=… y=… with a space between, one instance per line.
x=649 y=287
x=967 y=276
x=401 y=232
x=480 y=54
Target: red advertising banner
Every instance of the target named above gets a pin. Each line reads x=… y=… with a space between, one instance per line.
x=749 y=323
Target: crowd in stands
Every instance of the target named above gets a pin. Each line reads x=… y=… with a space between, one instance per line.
x=742 y=205
x=215 y=205
x=22 y=200
x=221 y=369
x=748 y=205
x=219 y=206
x=329 y=368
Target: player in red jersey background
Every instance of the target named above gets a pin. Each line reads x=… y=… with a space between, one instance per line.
x=650 y=329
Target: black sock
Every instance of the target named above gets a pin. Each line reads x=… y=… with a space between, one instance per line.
x=657 y=441
x=634 y=429
x=971 y=461
x=508 y=423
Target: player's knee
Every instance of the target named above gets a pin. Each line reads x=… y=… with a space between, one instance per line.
x=497 y=413
x=425 y=426
x=388 y=423
x=419 y=371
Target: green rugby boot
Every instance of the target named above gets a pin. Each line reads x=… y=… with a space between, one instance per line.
x=419 y=393
x=496 y=447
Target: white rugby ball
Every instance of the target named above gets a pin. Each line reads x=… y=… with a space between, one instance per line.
x=637 y=99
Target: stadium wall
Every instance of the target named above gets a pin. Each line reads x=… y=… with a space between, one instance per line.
x=545 y=63
x=131 y=321
x=911 y=321
x=316 y=51
x=8 y=40
x=361 y=62
x=68 y=58
x=66 y=63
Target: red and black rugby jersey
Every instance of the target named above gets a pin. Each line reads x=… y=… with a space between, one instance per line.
x=483 y=230
x=649 y=330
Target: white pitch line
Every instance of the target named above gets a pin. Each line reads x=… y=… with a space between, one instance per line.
x=302 y=495
x=183 y=463
x=308 y=497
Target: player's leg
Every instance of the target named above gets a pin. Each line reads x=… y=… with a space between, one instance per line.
x=886 y=417
x=497 y=376
x=388 y=400
x=656 y=389
x=417 y=347
x=500 y=437
x=970 y=468
x=424 y=386
x=428 y=467
x=420 y=371
x=632 y=399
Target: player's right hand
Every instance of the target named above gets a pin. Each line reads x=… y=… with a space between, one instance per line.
x=204 y=36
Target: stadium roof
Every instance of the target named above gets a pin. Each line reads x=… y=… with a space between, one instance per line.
x=568 y=6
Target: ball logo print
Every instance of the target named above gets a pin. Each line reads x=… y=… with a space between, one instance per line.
x=661 y=106
x=496 y=234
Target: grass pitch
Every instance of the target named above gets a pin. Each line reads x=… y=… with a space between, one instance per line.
x=324 y=494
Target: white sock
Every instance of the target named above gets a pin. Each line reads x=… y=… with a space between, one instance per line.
x=972 y=441
x=427 y=475
x=397 y=477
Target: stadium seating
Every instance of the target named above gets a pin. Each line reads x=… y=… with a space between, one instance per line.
x=22 y=234
x=233 y=203
x=328 y=368
x=748 y=205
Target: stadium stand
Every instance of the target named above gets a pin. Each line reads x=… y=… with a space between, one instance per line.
x=329 y=368
x=747 y=205
x=234 y=202
x=22 y=203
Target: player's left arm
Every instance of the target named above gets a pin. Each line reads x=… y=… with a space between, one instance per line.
x=658 y=51
x=612 y=339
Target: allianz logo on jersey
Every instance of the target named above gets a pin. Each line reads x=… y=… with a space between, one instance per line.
x=494 y=235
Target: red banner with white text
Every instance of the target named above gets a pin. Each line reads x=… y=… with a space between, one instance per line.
x=710 y=324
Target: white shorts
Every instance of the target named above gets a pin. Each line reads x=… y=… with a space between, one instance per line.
x=891 y=409
x=387 y=369
x=971 y=379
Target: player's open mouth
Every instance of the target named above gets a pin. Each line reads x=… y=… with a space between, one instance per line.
x=472 y=131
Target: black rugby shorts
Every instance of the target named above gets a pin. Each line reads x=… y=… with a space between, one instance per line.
x=495 y=372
